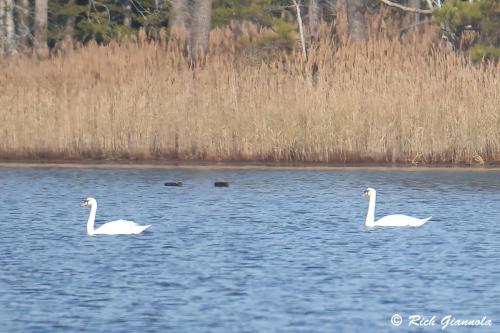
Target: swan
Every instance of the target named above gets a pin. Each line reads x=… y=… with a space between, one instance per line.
x=389 y=220
x=120 y=227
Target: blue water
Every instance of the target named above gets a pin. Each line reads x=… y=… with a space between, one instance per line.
x=277 y=251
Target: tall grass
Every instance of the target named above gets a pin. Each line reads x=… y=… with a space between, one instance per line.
x=386 y=101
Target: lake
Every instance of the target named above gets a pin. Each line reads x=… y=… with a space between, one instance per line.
x=276 y=251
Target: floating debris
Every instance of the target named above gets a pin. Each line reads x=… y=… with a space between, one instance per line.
x=221 y=184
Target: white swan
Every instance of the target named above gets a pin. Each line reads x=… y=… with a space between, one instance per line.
x=389 y=220
x=120 y=227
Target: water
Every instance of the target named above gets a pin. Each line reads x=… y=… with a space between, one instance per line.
x=277 y=251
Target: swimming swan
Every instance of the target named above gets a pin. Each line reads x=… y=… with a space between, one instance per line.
x=120 y=227
x=389 y=220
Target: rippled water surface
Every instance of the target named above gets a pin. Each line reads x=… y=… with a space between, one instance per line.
x=277 y=251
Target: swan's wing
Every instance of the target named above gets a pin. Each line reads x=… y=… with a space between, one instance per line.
x=400 y=221
x=123 y=223
x=117 y=227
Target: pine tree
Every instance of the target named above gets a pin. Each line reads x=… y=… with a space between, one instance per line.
x=481 y=17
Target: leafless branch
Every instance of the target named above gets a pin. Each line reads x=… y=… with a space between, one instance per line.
x=407 y=9
x=105 y=7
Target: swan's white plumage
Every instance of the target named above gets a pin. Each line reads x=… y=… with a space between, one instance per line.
x=389 y=220
x=400 y=221
x=119 y=227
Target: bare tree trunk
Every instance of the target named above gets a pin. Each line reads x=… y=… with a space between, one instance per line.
x=10 y=30
x=127 y=19
x=69 y=25
x=415 y=4
x=7 y=28
x=331 y=5
x=3 y=35
x=339 y=7
x=335 y=7
x=69 y=28
x=40 y=27
x=314 y=18
x=356 y=19
x=200 y=29
x=178 y=17
x=301 y=29
x=22 y=23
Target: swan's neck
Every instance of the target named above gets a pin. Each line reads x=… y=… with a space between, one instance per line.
x=370 y=216
x=90 y=222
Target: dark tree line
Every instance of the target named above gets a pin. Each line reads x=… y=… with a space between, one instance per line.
x=41 y=24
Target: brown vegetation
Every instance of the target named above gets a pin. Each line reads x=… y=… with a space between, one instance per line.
x=383 y=101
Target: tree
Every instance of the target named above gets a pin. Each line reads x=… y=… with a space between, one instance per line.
x=415 y=4
x=127 y=14
x=314 y=18
x=3 y=34
x=297 y=5
x=10 y=30
x=40 y=26
x=200 y=29
x=69 y=24
x=480 y=18
x=22 y=23
x=178 y=16
x=356 y=19
x=7 y=28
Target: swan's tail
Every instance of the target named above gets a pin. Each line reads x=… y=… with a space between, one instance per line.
x=427 y=219
x=144 y=227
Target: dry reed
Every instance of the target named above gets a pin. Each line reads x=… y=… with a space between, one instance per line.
x=386 y=101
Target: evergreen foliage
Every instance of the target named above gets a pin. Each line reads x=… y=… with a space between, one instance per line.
x=103 y=21
x=258 y=11
x=480 y=16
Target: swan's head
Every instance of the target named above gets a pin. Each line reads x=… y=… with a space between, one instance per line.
x=87 y=202
x=369 y=192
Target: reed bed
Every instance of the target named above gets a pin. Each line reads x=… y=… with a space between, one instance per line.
x=382 y=102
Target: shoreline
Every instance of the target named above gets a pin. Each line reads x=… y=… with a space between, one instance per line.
x=211 y=165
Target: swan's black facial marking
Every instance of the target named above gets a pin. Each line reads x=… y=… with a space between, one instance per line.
x=366 y=192
x=84 y=202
